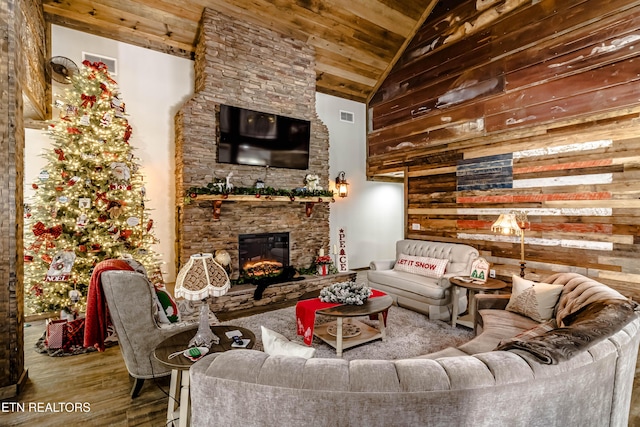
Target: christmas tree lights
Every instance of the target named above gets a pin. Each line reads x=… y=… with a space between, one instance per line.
x=89 y=202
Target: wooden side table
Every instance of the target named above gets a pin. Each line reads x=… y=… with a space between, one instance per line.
x=178 y=407
x=491 y=285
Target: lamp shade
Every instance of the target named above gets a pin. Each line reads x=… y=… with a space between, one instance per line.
x=506 y=224
x=201 y=277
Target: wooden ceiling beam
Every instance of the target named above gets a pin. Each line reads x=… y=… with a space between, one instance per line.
x=401 y=49
x=129 y=36
x=122 y=22
x=377 y=12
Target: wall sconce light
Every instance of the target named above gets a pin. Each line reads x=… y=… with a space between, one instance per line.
x=515 y=223
x=341 y=185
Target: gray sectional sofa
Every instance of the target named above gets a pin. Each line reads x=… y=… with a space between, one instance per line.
x=427 y=295
x=579 y=380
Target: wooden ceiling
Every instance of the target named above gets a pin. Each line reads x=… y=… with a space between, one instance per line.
x=356 y=41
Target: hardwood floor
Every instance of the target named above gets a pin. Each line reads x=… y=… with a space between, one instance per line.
x=101 y=380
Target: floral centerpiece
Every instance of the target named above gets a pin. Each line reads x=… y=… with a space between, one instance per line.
x=312 y=182
x=346 y=293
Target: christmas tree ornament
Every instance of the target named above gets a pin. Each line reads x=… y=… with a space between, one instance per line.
x=60 y=268
x=106 y=120
x=72 y=110
x=84 y=202
x=74 y=295
x=82 y=220
x=85 y=120
x=44 y=175
x=132 y=221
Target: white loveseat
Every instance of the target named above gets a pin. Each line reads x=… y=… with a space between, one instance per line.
x=427 y=295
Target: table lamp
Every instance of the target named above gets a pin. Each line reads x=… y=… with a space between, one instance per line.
x=200 y=278
x=513 y=223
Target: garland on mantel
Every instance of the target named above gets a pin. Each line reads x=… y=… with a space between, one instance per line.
x=214 y=189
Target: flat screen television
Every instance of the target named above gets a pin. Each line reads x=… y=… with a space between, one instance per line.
x=248 y=137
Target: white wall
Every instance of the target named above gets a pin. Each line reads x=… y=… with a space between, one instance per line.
x=372 y=214
x=154 y=86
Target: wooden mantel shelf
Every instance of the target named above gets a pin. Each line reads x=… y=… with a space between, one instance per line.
x=219 y=198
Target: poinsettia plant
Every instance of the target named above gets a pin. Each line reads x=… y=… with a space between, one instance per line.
x=323 y=260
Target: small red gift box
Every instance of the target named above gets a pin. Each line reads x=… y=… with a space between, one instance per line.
x=55 y=333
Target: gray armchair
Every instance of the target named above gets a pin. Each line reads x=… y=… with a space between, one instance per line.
x=131 y=306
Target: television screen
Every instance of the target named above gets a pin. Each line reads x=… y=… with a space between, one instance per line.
x=253 y=138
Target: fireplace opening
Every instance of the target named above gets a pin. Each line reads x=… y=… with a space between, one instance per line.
x=263 y=254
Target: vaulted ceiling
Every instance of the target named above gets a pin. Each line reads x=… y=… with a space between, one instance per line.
x=356 y=41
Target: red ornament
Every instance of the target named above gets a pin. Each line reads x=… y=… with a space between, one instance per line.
x=96 y=247
x=46 y=258
x=59 y=188
x=28 y=258
x=127 y=133
x=149 y=225
x=34 y=186
x=82 y=248
x=125 y=234
x=105 y=91
x=258 y=196
x=64 y=174
x=102 y=218
x=74 y=131
x=59 y=152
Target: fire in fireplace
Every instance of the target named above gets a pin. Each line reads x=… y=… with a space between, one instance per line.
x=263 y=254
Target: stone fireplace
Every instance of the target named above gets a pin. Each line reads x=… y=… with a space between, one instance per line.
x=238 y=63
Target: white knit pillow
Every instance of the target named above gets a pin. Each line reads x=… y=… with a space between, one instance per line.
x=423 y=266
x=277 y=344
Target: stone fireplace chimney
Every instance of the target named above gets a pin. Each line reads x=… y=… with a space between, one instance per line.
x=240 y=64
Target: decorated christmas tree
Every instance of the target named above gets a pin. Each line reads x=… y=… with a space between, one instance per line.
x=89 y=199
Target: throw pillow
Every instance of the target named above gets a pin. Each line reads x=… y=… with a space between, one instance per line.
x=423 y=266
x=535 y=300
x=277 y=344
x=167 y=307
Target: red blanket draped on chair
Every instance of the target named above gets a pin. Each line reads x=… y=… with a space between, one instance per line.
x=97 y=317
x=306 y=314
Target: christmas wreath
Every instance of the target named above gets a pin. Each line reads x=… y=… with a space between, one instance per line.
x=346 y=293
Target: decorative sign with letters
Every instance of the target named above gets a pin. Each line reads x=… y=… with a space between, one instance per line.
x=340 y=252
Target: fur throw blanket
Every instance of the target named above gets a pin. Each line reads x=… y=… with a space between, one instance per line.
x=587 y=326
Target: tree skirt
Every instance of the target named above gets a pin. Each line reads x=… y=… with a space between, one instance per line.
x=409 y=334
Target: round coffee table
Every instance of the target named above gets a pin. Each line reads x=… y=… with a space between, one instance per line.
x=180 y=365
x=341 y=334
x=491 y=285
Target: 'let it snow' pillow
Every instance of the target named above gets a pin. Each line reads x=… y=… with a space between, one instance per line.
x=423 y=266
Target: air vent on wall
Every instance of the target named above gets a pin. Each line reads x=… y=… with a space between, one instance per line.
x=346 y=116
x=111 y=63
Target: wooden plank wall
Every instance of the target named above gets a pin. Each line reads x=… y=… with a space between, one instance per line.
x=508 y=105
